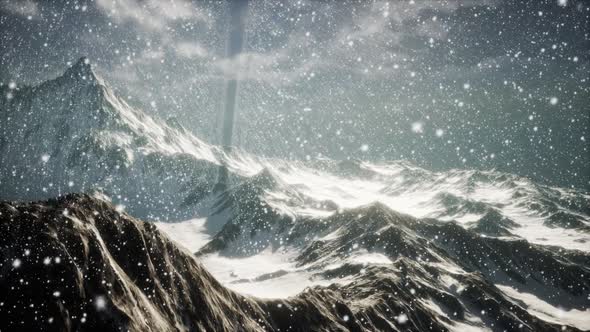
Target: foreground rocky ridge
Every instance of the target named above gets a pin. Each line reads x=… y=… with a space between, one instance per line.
x=76 y=263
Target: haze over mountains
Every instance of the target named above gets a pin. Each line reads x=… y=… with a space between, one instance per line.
x=381 y=246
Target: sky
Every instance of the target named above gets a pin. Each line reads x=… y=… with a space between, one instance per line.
x=487 y=84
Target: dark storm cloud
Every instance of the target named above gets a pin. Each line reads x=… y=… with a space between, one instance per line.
x=477 y=78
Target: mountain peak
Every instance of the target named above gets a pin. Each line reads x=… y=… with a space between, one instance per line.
x=82 y=69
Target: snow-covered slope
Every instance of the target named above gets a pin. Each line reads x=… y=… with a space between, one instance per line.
x=74 y=134
x=293 y=226
x=490 y=202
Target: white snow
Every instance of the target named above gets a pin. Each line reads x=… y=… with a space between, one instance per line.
x=191 y=234
x=548 y=312
x=365 y=257
x=415 y=191
x=239 y=274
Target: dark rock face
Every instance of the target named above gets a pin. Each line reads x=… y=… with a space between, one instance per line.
x=75 y=263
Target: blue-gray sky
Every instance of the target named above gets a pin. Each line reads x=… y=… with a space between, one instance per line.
x=458 y=83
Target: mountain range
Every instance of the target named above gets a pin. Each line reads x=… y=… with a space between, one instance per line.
x=318 y=245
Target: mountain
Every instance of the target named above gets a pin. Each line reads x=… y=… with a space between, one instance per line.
x=489 y=256
x=73 y=134
x=288 y=246
x=492 y=204
x=76 y=263
x=376 y=229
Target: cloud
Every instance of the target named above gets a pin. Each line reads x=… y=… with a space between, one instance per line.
x=277 y=68
x=21 y=8
x=154 y=15
x=369 y=42
x=191 y=50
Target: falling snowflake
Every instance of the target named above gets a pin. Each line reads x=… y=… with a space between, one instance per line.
x=417 y=127
x=402 y=318
x=100 y=302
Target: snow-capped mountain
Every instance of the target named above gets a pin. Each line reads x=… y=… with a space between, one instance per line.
x=358 y=245
x=73 y=134
x=488 y=202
